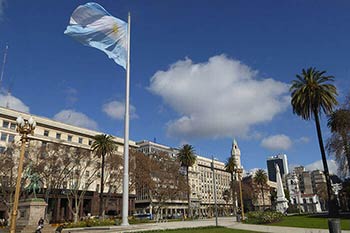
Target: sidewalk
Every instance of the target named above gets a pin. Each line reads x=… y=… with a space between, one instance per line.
x=277 y=229
x=226 y=222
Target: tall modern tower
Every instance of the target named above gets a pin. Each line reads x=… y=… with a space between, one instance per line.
x=236 y=153
x=282 y=162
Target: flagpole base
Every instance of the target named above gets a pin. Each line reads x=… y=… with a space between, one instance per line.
x=125 y=224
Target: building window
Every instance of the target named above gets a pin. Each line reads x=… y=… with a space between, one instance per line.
x=58 y=136
x=70 y=138
x=3 y=137
x=13 y=125
x=5 y=124
x=90 y=142
x=87 y=174
x=80 y=140
x=46 y=133
x=2 y=149
x=97 y=187
x=11 y=137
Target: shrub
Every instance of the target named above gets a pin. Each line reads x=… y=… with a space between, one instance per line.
x=138 y=221
x=91 y=223
x=259 y=217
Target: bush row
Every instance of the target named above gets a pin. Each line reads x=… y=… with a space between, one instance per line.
x=259 y=217
x=92 y=223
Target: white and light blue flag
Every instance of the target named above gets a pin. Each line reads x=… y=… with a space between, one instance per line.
x=93 y=26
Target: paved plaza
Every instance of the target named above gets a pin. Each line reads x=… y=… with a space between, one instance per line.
x=226 y=222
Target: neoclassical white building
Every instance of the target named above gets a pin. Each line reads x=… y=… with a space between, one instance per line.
x=49 y=131
x=201 y=182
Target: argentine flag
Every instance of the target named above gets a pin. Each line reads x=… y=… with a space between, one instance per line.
x=93 y=26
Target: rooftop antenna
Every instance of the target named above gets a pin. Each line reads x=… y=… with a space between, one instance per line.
x=3 y=65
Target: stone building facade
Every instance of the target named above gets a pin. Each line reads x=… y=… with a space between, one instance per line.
x=47 y=132
x=201 y=183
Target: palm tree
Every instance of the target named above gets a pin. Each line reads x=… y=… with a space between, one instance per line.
x=187 y=158
x=339 y=144
x=260 y=178
x=312 y=93
x=103 y=145
x=231 y=167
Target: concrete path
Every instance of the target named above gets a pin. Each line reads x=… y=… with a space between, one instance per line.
x=276 y=229
x=226 y=222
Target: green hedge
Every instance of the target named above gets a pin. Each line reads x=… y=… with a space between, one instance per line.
x=92 y=223
x=259 y=217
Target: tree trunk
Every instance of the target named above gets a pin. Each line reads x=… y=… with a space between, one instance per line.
x=346 y=148
x=332 y=211
x=188 y=194
x=102 y=186
x=263 y=196
x=76 y=216
x=233 y=196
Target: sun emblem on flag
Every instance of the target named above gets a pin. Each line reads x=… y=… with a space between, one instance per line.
x=115 y=28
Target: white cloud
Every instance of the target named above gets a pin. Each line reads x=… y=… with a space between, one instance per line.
x=277 y=142
x=219 y=98
x=71 y=95
x=332 y=166
x=303 y=140
x=116 y=110
x=13 y=103
x=75 y=118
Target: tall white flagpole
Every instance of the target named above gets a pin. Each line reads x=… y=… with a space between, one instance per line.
x=125 y=207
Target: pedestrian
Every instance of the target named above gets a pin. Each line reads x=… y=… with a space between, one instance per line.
x=59 y=229
x=40 y=225
x=41 y=222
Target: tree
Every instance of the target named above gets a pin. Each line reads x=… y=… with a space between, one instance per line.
x=103 y=145
x=158 y=178
x=339 y=143
x=248 y=193
x=53 y=163
x=168 y=182
x=8 y=164
x=187 y=158
x=260 y=178
x=83 y=173
x=113 y=176
x=312 y=93
x=226 y=195
x=231 y=167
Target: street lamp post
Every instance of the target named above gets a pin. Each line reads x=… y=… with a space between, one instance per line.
x=24 y=127
x=239 y=172
x=215 y=201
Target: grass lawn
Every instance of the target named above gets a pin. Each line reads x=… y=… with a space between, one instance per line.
x=310 y=222
x=201 y=230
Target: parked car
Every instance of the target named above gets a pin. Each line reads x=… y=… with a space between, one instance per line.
x=143 y=216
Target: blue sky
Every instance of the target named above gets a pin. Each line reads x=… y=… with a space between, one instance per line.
x=202 y=72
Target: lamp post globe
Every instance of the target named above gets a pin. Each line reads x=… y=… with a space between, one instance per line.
x=20 y=121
